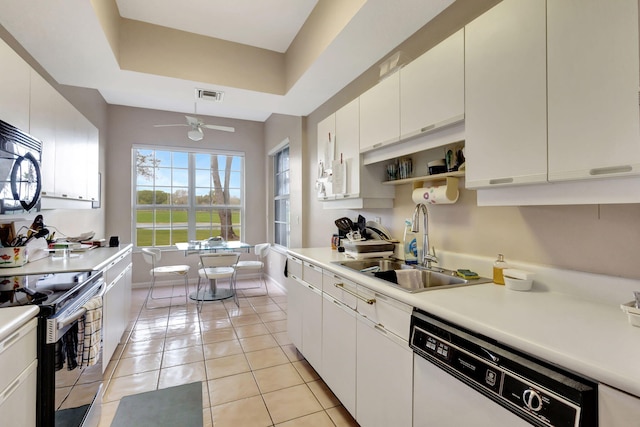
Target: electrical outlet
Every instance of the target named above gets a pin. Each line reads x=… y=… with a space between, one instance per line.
x=378 y=219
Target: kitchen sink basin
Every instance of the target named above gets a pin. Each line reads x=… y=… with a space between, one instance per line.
x=417 y=279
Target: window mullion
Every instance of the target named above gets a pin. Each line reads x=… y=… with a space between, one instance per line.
x=192 y=197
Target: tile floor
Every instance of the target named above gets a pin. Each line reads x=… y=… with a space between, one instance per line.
x=251 y=373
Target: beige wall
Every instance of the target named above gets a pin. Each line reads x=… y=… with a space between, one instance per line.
x=129 y=126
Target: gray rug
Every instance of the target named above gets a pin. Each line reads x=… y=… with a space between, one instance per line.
x=173 y=406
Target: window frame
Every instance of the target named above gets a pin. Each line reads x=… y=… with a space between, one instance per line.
x=191 y=205
x=280 y=197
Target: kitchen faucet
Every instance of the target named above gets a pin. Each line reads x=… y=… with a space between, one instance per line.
x=427 y=257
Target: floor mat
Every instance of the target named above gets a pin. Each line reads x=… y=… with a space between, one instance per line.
x=71 y=417
x=173 y=406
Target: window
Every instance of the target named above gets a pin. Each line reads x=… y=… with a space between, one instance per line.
x=186 y=195
x=281 y=197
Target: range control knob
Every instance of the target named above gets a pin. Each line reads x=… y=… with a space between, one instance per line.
x=532 y=400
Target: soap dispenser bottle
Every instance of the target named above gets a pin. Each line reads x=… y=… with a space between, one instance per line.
x=498 y=269
x=410 y=244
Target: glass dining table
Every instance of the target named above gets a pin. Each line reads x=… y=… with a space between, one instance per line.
x=197 y=247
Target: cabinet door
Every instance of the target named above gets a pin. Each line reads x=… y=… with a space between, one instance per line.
x=380 y=114
x=43 y=113
x=339 y=351
x=505 y=95
x=326 y=153
x=312 y=326
x=14 y=88
x=616 y=408
x=348 y=148
x=384 y=377
x=294 y=311
x=117 y=303
x=594 y=126
x=432 y=88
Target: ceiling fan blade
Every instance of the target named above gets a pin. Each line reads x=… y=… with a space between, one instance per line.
x=222 y=128
x=162 y=126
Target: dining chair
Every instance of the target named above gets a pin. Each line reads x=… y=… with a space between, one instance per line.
x=214 y=266
x=152 y=256
x=260 y=251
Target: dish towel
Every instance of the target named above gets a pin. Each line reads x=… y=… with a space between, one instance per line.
x=90 y=332
x=409 y=278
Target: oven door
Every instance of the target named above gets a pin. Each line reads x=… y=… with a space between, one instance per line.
x=69 y=394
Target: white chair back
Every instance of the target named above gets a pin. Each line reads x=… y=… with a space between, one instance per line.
x=262 y=249
x=219 y=259
x=151 y=256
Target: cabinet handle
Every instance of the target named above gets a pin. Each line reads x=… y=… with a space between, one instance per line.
x=426 y=128
x=369 y=301
x=611 y=170
x=501 y=181
x=381 y=328
x=379 y=144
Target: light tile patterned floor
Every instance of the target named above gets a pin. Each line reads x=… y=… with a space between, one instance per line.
x=251 y=373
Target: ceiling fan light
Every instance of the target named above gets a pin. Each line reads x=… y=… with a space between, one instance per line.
x=195 y=134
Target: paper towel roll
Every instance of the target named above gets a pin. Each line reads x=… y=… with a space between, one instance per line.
x=442 y=194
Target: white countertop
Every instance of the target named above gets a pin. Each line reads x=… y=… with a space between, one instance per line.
x=94 y=259
x=12 y=318
x=591 y=338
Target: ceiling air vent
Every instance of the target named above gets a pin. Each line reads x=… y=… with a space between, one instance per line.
x=210 y=95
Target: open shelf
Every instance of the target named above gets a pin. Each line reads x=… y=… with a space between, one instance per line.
x=426 y=178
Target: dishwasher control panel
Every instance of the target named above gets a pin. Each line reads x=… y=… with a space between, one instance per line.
x=525 y=387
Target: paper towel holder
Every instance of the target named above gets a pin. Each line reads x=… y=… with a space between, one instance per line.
x=445 y=193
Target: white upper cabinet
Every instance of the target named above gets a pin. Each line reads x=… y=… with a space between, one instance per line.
x=432 y=89
x=593 y=77
x=505 y=90
x=326 y=154
x=44 y=106
x=14 y=88
x=380 y=114
x=349 y=184
x=347 y=148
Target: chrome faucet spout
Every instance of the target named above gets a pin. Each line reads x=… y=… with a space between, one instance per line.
x=427 y=257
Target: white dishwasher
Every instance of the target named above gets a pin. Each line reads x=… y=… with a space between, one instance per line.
x=464 y=379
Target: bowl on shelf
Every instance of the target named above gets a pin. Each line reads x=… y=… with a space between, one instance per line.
x=436 y=167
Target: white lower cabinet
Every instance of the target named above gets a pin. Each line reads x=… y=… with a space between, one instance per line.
x=384 y=373
x=312 y=326
x=304 y=311
x=304 y=320
x=617 y=408
x=116 y=304
x=18 y=376
x=339 y=351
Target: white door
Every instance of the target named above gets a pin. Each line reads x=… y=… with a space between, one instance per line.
x=339 y=351
x=505 y=96
x=594 y=126
x=384 y=377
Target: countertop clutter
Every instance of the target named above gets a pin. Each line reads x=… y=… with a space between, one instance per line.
x=590 y=336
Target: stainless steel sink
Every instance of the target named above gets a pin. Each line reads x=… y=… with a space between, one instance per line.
x=424 y=280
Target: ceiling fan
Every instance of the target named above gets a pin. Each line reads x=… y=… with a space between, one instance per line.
x=196 y=125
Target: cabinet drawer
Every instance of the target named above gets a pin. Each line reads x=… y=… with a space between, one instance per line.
x=393 y=315
x=17 y=351
x=312 y=274
x=116 y=267
x=335 y=286
x=294 y=267
x=18 y=401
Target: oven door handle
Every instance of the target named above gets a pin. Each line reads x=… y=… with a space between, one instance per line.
x=70 y=319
